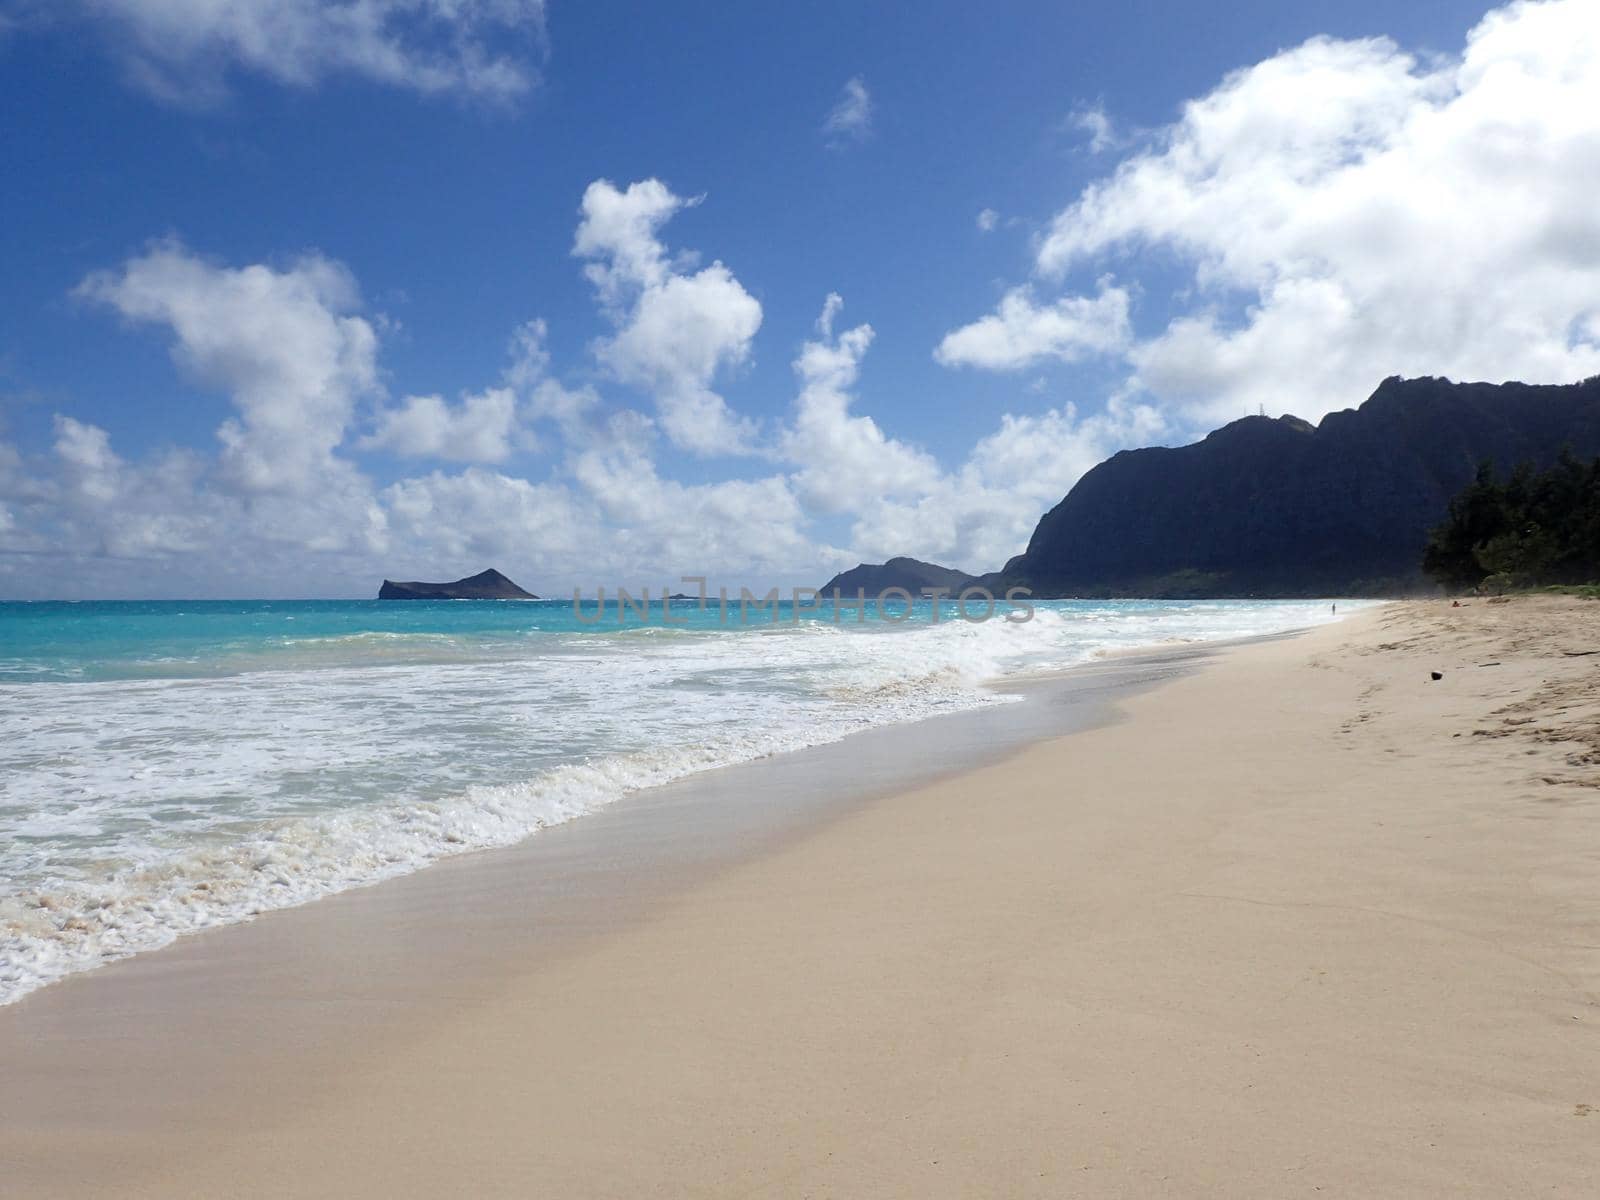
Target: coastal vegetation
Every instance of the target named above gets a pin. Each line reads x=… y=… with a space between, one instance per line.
x=1529 y=529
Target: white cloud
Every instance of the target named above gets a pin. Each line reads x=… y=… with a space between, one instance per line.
x=165 y=524
x=491 y=425
x=1336 y=213
x=676 y=328
x=284 y=344
x=977 y=515
x=987 y=220
x=658 y=528
x=482 y=428
x=570 y=409
x=1021 y=332
x=530 y=357
x=125 y=510
x=167 y=507
x=294 y=360
x=28 y=497
x=618 y=236
x=184 y=50
x=1096 y=122
x=845 y=459
x=481 y=516
x=284 y=507
x=85 y=452
x=1347 y=212
x=850 y=118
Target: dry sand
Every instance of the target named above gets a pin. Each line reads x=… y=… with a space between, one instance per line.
x=1307 y=922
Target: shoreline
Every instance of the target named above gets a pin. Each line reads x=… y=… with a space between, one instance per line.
x=449 y=771
x=377 y=947
x=679 y=830
x=900 y=757
x=1069 y=966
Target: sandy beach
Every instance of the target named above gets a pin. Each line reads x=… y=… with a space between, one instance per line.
x=1303 y=921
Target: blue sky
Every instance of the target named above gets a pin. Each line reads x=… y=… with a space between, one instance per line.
x=408 y=196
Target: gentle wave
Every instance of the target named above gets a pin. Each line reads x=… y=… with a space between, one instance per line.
x=135 y=810
x=47 y=935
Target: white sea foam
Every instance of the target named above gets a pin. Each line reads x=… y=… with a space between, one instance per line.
x=137 y=810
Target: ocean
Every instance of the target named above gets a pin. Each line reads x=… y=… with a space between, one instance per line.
x=170 y=766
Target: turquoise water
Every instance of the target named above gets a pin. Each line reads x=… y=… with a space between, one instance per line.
x=91 y=640
x=169 y=766
x=64 y=641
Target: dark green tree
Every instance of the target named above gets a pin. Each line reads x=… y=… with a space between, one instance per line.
x=1534 y=528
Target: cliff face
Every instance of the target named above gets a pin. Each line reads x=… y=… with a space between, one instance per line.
x=909 y=573
x=486 y=585
x=1278 y=507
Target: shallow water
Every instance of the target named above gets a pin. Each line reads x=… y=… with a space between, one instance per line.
x=169 y=766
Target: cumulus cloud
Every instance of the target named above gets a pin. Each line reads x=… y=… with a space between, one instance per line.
x=850 y=118
x=983 y=512
x=126 y=510
x=1022 y=332
x=283 y=500
x=184 y=50
x=530 y=357
x=119 y=509
x=483 y=516
x=845 y=459
x=1346 y=211
x=285 y=345
x=288 y=349
x=902 y=502
x=284 y=497
x=168 y=507
x=661 y=528
x=618 y=236
x=481 y=428
x=572 y=410
x=987 y=220
x=1336 y=213
x=677 y=328
x=85 y=452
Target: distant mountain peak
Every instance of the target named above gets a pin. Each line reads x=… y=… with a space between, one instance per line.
x=912 y=574
x=485 y=585
x=1286 y=426
x=1273 y=506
